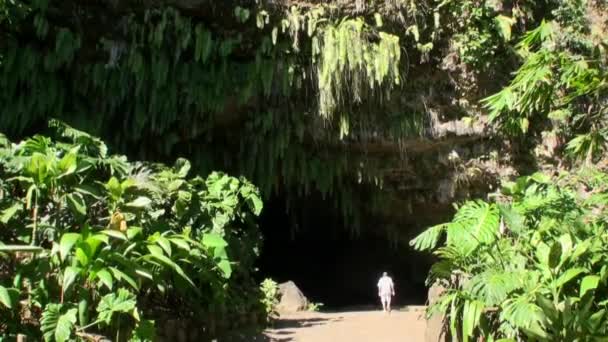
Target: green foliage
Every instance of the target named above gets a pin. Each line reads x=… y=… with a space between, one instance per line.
x=531 y=267
x=561 y=85
x=109 y=233
x=349 y=64
x=165 y=73
x=314 y=307
x=57 y=325
x=270 y=299
x=481 y=32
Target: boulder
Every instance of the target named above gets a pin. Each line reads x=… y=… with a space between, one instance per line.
x=292 y=299
x=435 y=329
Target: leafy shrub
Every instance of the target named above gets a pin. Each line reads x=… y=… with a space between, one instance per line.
x=530 y=266
x=95 y=244
x=315 y=307
x=270 y=289
x=561 y=86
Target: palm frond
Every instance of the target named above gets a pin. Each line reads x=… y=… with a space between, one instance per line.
x=494 y=286
x=428 y=239
x=94 y=146
x=475 y=223
x=526 y=316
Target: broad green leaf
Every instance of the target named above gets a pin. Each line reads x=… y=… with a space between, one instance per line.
x=220 y=253
x=164 y=243
x=542 y=253
x=76 y=203
x=68 y=164
x=181 y=243
x=182 y=167
x=155 y=250
x=428 y=239
x=67 y=242
x=101 y=238
x=555 y=254
x=8 y=297
x=274 y=34
x=568 y=276
x=526 y=316
x=115 y=234
x=255 y=203
x=106 y=278
x=82 y=256
x=31 y=196
x=168 y=262
x=540 y=177
x=548 y=307
x=213 y=240
x=470 y=318
x=180 y=208
x=113 y=186
x=144 y=331
x=69 y=276
x=589 y=283
x=225 y=267
x=454 y=314
x=83 y=310
x=48 y=321
x=86 y=189
x=144 y=273
x=10 y=212
x=120 y=275
x=140 y=202
x=65 y=325
x=596 y=320
x=92 y=243
x=378 y=19
x=128 y=183
x=580 y=249
x=220 y=221
x=122 y=301
x=133 y=232
x=504 y=24
x=566 y=242
x=175 y=185
x=513 y=219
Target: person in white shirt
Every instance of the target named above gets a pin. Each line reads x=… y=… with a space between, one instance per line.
x=386 y=290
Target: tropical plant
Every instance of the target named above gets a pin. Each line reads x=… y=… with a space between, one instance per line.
x=314 y=307
x=95 y=243
x=270 y=290
x=562 y=86
x=530 y=266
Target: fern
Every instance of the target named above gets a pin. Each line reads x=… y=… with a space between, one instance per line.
x=587 y=146
x=348 y=57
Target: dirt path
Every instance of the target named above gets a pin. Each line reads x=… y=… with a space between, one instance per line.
x=353 y=326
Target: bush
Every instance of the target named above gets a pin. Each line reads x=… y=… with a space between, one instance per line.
x=94 y=243
x=530 y=266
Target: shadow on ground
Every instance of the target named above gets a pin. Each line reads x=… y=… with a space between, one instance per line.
x=282 y=330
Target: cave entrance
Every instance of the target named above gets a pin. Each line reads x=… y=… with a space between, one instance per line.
x=333 y=265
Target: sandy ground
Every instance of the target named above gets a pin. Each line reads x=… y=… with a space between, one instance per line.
x=351 y=326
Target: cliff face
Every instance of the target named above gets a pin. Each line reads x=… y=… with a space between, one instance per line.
x=374 y=105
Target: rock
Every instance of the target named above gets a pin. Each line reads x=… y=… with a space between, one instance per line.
x=435 y=331
x=292 y=299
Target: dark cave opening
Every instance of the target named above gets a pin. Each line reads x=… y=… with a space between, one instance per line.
x=331 y=264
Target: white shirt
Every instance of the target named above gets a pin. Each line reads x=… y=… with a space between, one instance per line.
x=385 y=286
